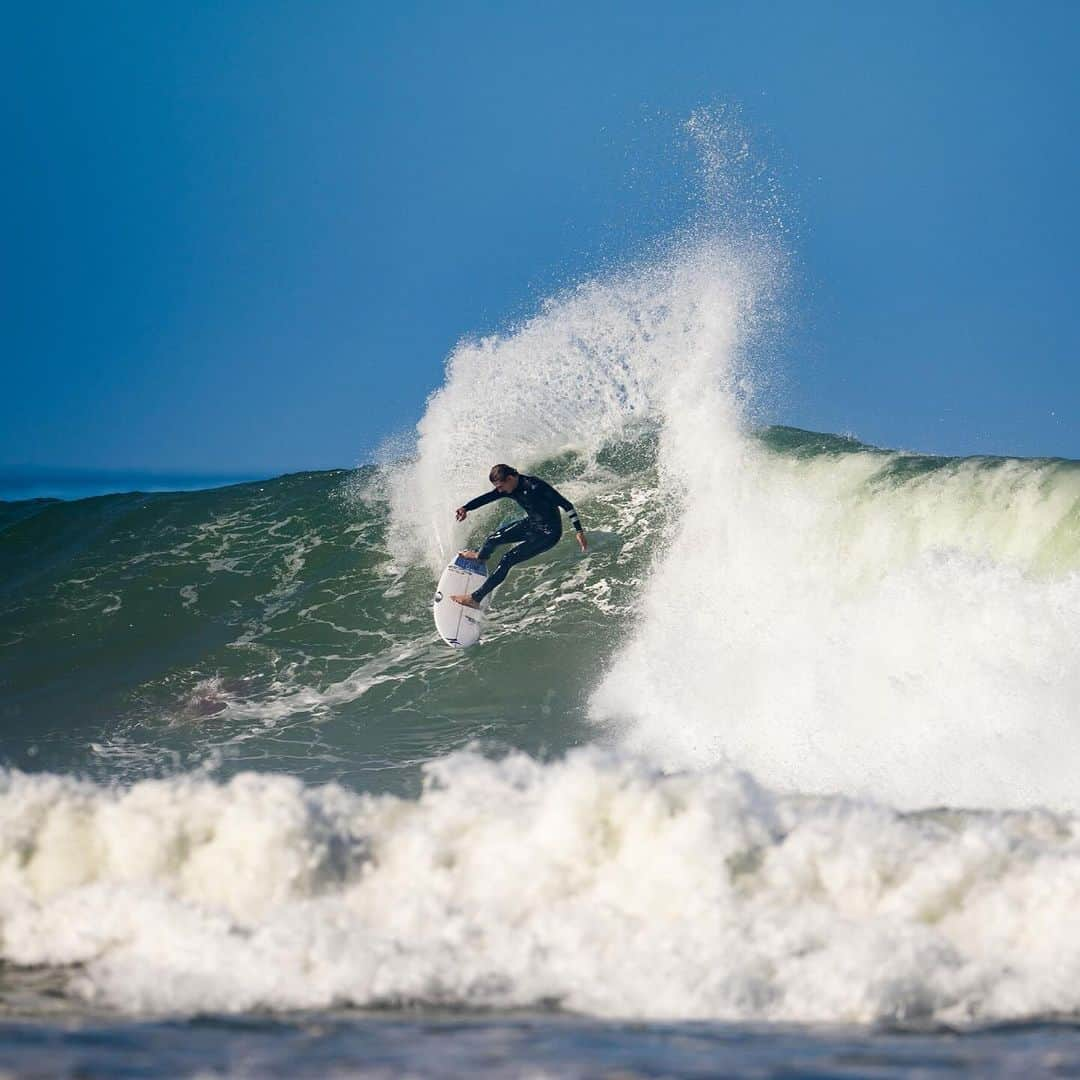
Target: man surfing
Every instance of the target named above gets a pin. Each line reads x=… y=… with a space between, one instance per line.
x=540 y=530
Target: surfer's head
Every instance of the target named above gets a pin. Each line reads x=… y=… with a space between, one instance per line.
x=504 y=477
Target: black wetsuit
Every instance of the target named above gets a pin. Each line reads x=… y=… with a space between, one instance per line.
x=540 y=530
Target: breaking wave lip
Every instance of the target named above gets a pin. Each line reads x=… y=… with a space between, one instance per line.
x=593 y=364
x=595 y=883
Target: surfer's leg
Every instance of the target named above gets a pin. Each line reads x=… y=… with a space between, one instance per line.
x=509 y=535
x=534 y=545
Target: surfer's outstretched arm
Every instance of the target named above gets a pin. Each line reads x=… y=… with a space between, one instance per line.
x=475 y=504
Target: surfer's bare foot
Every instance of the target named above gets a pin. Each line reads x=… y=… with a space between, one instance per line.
x=469 y=554
x=465 y=600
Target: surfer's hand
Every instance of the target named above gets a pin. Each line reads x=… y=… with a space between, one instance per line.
x=582 y=542
x=461 y=513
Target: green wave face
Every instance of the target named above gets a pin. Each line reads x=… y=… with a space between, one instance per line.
x=268 y=625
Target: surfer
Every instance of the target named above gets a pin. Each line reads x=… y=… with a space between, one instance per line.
x=539 y=530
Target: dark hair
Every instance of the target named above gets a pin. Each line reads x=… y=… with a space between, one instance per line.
x=501 y=472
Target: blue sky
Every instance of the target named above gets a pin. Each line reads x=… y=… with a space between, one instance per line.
x=242 y=237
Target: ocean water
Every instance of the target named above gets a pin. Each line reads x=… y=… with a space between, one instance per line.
x=27 y=483
x=780 y=779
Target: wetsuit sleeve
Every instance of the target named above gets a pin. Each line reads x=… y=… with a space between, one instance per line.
x=483 y=500
x=559 y=499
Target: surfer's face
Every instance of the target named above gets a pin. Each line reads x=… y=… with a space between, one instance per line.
x=505 y=486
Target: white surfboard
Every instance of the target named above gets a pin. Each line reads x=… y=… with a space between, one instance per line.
x=457 y=624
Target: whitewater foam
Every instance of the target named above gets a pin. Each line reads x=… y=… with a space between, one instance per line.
x=595 y=883
x=847 y=624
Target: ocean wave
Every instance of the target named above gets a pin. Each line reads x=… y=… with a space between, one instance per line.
x=831 y=616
